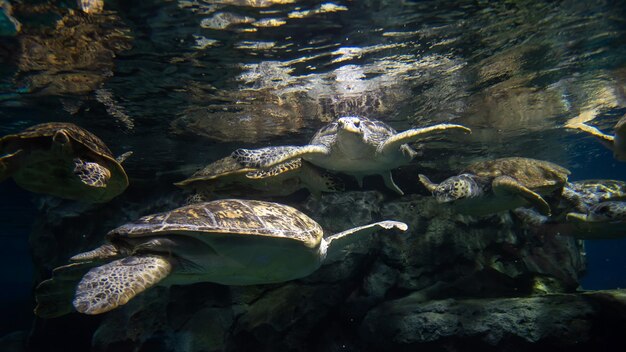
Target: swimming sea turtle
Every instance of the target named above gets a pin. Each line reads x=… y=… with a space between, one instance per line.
x=582 y=194
x=283 y=179
x=500 y=184
x=617 y=142
x=605 y=220
x=230 y=241
x=354 y=145
x=63 y=160
x=586 y=209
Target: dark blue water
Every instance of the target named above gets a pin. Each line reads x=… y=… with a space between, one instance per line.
x=183 y=83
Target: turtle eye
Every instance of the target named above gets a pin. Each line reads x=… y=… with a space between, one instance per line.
x=357 y=123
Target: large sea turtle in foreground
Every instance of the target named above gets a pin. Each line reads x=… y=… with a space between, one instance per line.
x=501 y=184
x=353 y=145
x=615 y=142
x=230 y=241
x=63 y=160
x=226 y=175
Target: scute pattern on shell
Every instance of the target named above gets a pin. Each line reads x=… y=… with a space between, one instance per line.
x=376 y=132
x=232 y=216
x=83 y=136
x=531 y=172
x=595 y=191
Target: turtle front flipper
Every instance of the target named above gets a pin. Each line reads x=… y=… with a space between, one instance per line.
x=121 y=158
x=430 y=186
x=90 y=173
x=275 y=170
x=337 y=242
x=505 y=185
x=270 y=156
x=393 y=143
x=9 y=164
x=111 y=285
x=605 y=139
x=54 y=296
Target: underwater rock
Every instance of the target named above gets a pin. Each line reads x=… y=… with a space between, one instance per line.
x=538 y=322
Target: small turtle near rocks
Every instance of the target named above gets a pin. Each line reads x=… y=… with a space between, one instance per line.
x=586 y=209
x=615 y=142
x=63 y=160
x=605 y=220
x=230 y=241
x=229 y=176
x=353 y=145
x=492 y=186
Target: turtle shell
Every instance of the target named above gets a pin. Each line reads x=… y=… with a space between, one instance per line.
x=47 y=130
x=85 y=145
x=228 y=216
x=375 y=132
x=600 y=190
x=532 y=173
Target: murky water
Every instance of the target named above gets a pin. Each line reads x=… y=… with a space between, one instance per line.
x=183 y=83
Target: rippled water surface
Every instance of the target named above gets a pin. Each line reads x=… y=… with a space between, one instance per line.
x=182 y=83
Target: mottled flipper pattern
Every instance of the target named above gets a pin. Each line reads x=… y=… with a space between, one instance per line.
x=270 y=156
x=111 y=285
x=91 y=174
x=276 y=170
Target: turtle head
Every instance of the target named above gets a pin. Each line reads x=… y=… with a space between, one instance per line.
x=62 y=142
x=351 y=124
x=456 y=188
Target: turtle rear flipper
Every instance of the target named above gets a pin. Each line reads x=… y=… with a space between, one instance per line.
x=505 y=185
x=9 y=164
x=270 y=156
x=111 y=285
x=54 y=296
x=388 y=179
x=393 y=143
x=91 y=174
x=316 y=180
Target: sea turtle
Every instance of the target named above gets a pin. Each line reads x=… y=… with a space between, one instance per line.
x=616 y=142
x=605 y=220
x=580 y=195
x=230 y=242
x=354 y=145
x=63 y=160
x=227 y=175
x=586 y=209
x=500 y=184
x=576 y=196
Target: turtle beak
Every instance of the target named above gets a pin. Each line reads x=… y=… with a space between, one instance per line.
x=350 y=124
